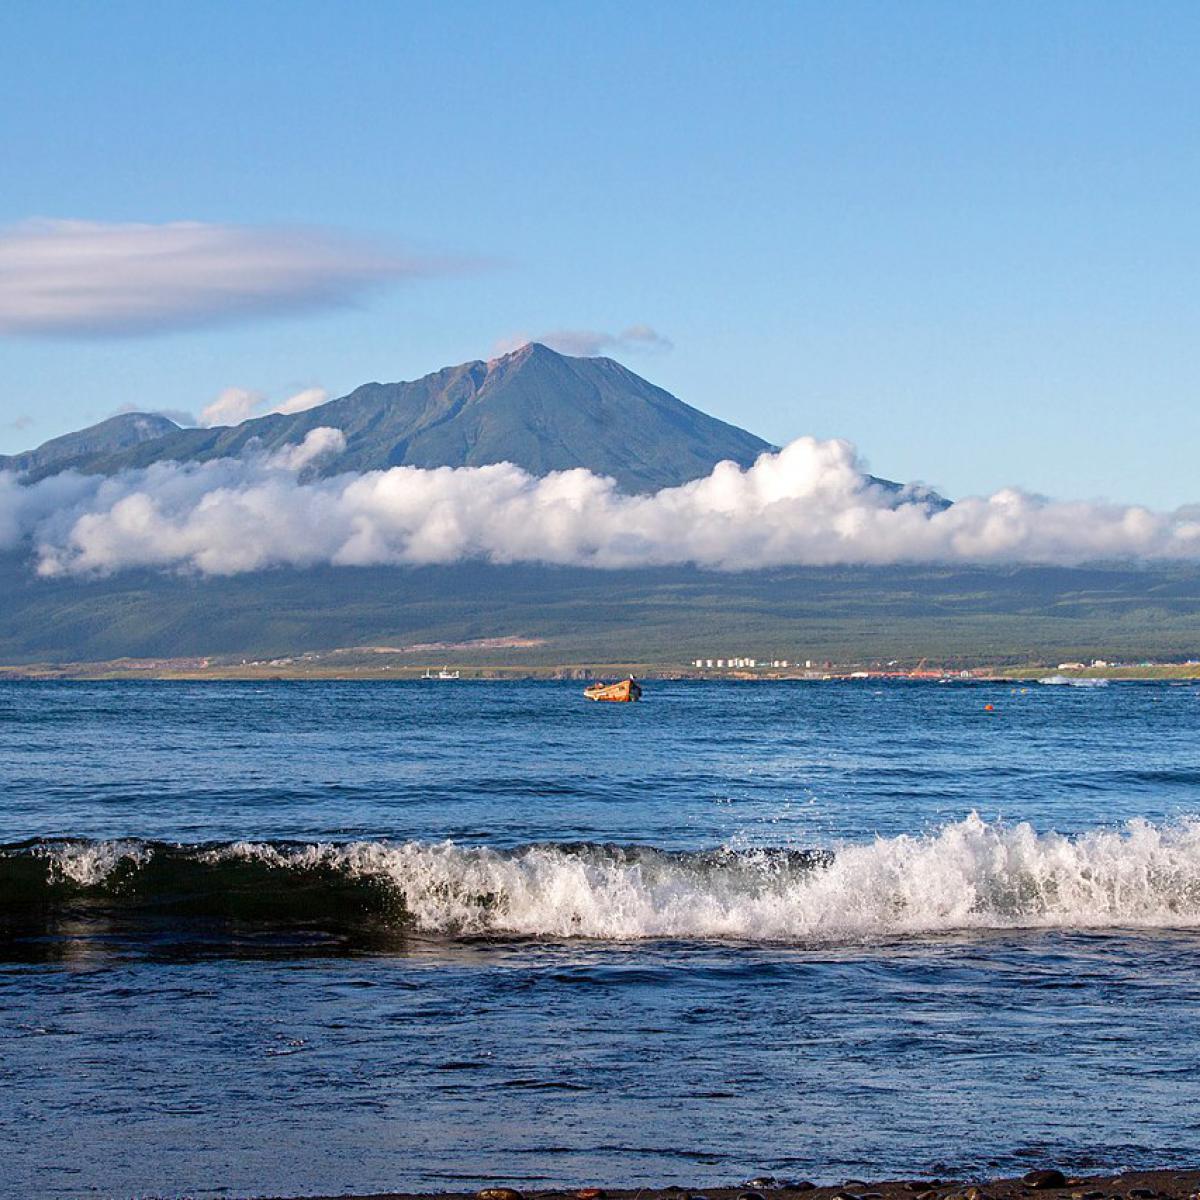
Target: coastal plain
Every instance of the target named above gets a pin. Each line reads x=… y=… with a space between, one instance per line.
x=533 y=620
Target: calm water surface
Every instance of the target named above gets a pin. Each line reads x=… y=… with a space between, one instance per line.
x=300 y=938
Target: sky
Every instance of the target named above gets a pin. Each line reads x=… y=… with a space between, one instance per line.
x=963 y=236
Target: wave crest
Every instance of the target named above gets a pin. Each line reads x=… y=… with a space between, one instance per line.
x=969 y=875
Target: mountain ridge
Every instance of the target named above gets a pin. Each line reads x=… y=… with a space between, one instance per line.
x=83 y=445
x=534 y=407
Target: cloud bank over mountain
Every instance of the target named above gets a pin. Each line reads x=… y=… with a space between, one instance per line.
x=809 y=504
x=90 y=278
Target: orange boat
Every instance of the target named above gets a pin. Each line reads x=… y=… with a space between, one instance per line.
x=624 y=692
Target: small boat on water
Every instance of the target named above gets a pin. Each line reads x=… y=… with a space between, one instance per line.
x=1073 y=681
x=624 y=692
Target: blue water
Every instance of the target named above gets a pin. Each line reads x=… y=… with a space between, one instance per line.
x=292 y=938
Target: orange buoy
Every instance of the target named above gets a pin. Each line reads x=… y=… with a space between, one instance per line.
x=989 y=708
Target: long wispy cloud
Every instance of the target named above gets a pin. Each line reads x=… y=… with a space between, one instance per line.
x=587 y=343
x=810 y=503
x=89 y=278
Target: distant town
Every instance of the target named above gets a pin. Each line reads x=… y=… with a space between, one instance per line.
x=742 y=666
x=401 y=663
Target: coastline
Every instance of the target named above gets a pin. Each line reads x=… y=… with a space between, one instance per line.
x=299 y=669
x=1160 y=1184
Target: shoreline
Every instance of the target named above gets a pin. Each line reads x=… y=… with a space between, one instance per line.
x=341 y=666
x=1158 y=1184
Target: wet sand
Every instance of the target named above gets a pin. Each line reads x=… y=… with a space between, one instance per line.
x=1130 y=1185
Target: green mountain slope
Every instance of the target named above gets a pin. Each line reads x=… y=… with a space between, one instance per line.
x=971 y=614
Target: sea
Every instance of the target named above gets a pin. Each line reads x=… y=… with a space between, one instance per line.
x=313 y=938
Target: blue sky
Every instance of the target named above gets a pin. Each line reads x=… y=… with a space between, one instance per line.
x=964 y=236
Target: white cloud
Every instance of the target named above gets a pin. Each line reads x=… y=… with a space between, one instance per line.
x=643 y=337
x=303 y=401
x=318 y=443
x=810 y=503
x=588 y=343
x=232 y=407
x=62 y=278
x=235 y=405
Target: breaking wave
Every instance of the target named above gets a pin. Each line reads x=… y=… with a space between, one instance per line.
x=970 y=875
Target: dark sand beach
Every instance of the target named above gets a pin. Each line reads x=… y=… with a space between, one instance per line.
x=1043 y=1182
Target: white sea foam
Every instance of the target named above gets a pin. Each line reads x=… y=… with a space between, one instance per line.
x=969 y=875
x=90 y=864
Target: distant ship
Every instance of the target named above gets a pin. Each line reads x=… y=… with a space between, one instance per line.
x=1073 y=681
x=442 y=674
x=624 y=692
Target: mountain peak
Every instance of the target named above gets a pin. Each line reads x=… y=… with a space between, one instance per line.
x=112 y=435
x=534 y=407
x=529 y=352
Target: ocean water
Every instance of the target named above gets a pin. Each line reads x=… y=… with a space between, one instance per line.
x=304 y=938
